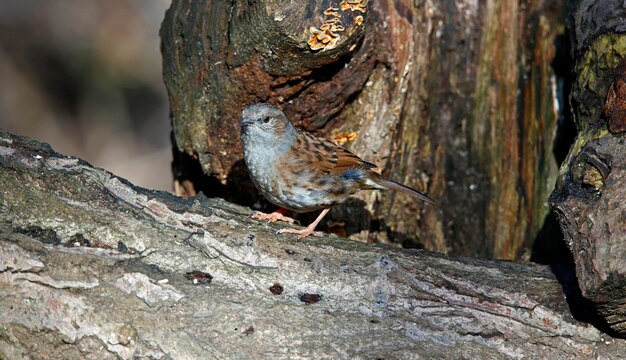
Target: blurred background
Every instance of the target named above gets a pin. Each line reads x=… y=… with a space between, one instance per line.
x=85 y=77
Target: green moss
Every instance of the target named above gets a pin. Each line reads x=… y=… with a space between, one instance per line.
x=580 y=141
x=595 y=73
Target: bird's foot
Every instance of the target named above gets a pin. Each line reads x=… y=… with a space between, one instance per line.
x=302 y=233
x=309 y=230
x=275 y=216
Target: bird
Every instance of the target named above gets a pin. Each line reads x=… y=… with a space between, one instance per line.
x=301 y=172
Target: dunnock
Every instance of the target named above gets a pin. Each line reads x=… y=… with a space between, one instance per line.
x=301 y=172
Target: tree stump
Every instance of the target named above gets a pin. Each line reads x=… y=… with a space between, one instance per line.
x=453 y=98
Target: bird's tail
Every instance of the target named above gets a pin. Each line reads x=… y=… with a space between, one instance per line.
x=392 y=185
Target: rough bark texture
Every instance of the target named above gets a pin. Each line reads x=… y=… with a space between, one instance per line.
x=451 y=97
x=589 y=198
x=94 y=267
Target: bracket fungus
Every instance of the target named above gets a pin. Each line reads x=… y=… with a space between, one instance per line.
x=344 y=137
x=322 y=39
x=354 y=5
x=328 y=34
x=326 y=37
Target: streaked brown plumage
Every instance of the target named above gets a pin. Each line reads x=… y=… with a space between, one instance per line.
x=301 y=172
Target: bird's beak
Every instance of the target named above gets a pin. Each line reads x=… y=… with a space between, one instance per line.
x=245 y=122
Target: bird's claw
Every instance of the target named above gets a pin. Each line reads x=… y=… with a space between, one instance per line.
x=302 y=233
x=272 y=217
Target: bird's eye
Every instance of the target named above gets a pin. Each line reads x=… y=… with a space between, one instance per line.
x=266 y=119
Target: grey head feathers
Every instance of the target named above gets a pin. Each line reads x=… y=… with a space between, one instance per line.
x=265 y=125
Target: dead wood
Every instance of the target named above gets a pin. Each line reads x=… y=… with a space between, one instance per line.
x=94 y=267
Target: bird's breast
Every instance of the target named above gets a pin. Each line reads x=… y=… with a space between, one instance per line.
x=262 y=168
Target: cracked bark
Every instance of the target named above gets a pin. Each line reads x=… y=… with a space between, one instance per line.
x=94 y=267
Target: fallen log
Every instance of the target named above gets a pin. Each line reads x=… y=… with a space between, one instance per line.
x=93 y=266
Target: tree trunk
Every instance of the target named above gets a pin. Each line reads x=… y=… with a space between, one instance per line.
x=589 y=198
x=454 y=98
x=94 y=267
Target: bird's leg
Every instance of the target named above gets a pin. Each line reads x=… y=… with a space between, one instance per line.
x=275 y=216
x=309 y=230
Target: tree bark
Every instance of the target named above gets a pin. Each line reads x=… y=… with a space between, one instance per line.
x=590 y=192
x=94 y=267
x=454 y=98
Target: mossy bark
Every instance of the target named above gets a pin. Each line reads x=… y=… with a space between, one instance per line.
x=589 y=198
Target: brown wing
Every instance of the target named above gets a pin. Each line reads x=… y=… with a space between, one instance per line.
x=327 y=157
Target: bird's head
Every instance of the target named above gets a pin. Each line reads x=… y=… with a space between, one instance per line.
x=265 y=124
